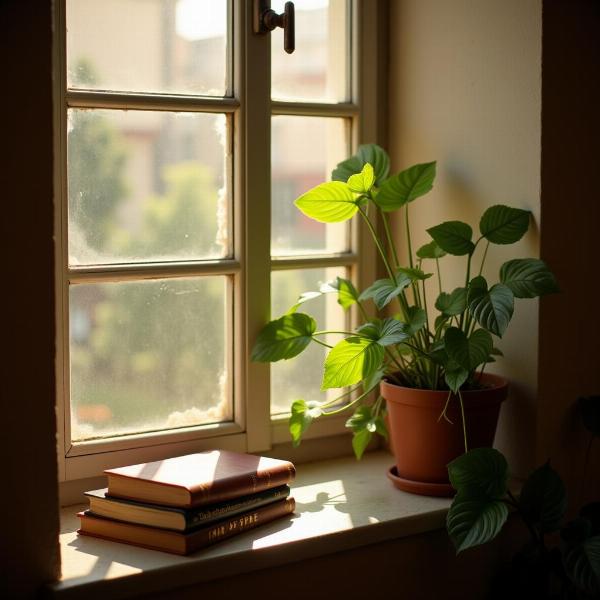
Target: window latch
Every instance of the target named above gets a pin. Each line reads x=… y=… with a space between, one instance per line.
x=266 y=19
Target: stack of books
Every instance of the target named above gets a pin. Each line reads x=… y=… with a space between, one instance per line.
x=182 y=504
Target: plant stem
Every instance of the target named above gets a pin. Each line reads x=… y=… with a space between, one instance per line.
x=337 y=398
x=390 y=355
x=462 y=316
x=464 y=423
x=353 y=333
x=346 y=406
x=529 y=526
x=410 y=259
x=378 y=244
x=484 y=256
x=322 y=343
x=437 y=265
x=390 y=239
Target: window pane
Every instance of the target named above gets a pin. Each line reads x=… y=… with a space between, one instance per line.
x=151 y=46
x=146 y=186
x=304 y=151
x=317 y=70
x=301 y=376
x=148 y=355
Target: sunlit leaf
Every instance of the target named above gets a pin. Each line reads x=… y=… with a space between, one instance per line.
x=367 y=153
x=362 y=182
x=350 y=361
x=330 y=202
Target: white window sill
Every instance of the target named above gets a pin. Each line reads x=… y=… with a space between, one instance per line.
x=341 y=504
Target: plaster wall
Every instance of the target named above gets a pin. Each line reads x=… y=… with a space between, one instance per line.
x=465 y=90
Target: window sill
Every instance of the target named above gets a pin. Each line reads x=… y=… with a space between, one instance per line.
x=341 y=504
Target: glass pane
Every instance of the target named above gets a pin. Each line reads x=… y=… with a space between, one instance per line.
x=301 y=376
x=148 y=46
x=304 y=151
x=146 y=186
x=317 y=70
x=148 y=355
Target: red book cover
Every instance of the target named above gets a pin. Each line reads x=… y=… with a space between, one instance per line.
x=199 y=479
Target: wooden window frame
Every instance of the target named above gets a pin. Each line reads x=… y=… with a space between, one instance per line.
x=249 y=271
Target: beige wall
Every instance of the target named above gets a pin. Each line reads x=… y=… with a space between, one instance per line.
x=466 y=91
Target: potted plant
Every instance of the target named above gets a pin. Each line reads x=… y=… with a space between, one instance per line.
x=434 y=396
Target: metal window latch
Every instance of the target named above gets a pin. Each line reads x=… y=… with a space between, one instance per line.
x=266 y=19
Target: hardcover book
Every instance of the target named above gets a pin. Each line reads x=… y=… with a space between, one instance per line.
x=178 y=519
x=177 y=542
x=199 y=479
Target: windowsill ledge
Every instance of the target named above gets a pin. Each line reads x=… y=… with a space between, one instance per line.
x=341 y=504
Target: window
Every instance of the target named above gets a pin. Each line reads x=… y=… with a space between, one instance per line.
x=184 y=138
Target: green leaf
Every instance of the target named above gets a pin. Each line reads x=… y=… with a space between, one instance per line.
x=414 y=320
x=543 y=499
x=299 y=421
x=406 y=186
x=528 y=277
x=385 y=332
x=482 y=472
x=582 y=565
x=350 y=361
x=440 y=321
x=413 y=273
x=284 y=338
x=360 y=441
x=361 y=417
x=472 y=521
x=454 y=237
x=383 y=291
x=330 y=202
x=362 y=182
x=367 y=153
x=504 y=225
x=491 y=308
x=589 y=407
x=431 y=250
x=452 y=304
x=347 y=294
x=454 y=376
x=469 y=352
x=371 y=382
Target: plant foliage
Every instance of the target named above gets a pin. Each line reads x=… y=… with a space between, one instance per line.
x=414 y=347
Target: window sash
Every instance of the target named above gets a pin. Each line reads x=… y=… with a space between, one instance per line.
x=250 y=110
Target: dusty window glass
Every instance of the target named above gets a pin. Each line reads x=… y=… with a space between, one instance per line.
x=318 y=71
x=148 y=355
x=304 y=151
x=147 y=186
x=161 y=46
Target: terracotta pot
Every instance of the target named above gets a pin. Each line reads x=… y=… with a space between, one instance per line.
x=423 y=443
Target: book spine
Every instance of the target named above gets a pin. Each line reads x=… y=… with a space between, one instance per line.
x=243 y=522
x=243 y=485
x=230 y=508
